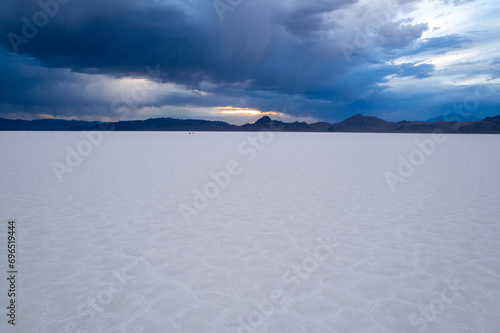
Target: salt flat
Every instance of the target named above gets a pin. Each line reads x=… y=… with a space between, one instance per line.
x=232 y=232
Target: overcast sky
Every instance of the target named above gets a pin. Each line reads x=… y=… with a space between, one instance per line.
x=235 y=60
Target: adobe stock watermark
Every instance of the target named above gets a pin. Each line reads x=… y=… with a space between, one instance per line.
x=470 y=104
x=95 y=304
x=291 y=281
x=407 y=166
x=427 y=147
x=30 y=28
x=223 y=6
x=437 y=306
x=370 y=30
x=121 y=106
x=127 y=102
x=249 y=149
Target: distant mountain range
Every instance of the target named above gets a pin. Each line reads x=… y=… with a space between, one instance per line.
x=357 y=123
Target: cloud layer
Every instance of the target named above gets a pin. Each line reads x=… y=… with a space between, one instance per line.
x=322 y=60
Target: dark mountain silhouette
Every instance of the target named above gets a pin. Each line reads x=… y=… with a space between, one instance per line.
x=356 y=123
x=359 y=123
x=167 y=124
x=264 y=120
x=42 y=124
x=489 y=125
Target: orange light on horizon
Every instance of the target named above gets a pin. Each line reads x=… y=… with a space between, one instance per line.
x=244 y=111
x=233 y=110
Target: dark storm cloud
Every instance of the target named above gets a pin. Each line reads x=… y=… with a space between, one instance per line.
x=29 y=88
x=114 y=37
x=262 y=55
x=187 y=40
x=306 y=18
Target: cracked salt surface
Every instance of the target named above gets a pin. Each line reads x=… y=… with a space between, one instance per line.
x=308 y=237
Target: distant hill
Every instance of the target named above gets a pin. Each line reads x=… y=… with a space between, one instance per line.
x=489 y=125
x=360 y=123
x=356 y=123
x=42 y=124
x=167 y=124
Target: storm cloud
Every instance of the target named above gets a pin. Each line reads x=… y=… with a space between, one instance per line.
x=321 y=60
